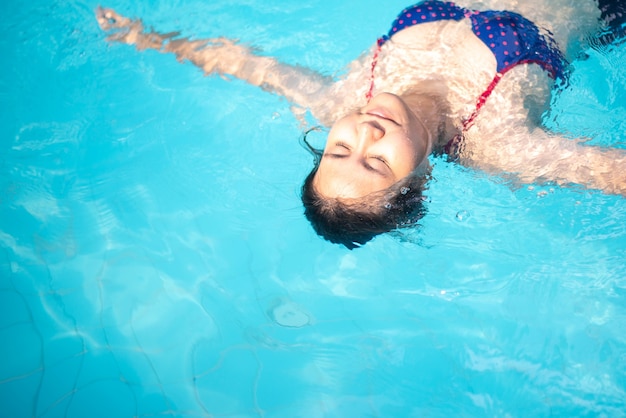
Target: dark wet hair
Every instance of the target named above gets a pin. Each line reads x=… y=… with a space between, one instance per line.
x=353 y=222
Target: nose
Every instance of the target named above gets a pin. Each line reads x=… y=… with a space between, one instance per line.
x=369 y=132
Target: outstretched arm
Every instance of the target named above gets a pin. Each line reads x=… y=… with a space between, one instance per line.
x=538 y=156
x=300 y=86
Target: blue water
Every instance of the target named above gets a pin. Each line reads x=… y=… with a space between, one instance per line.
x=154 y=259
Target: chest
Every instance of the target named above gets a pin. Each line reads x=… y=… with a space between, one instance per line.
x=443 y=58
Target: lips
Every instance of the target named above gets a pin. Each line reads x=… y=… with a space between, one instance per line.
x=381 y=114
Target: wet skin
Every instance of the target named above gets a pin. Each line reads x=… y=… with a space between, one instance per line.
x=373 y=148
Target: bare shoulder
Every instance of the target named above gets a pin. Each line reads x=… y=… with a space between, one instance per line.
x=508 y=139
x=508 y=117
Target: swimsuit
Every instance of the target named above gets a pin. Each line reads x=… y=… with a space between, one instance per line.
x=512 y=39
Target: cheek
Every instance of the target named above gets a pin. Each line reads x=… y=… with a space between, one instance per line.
x=406 y=157
x=333 y=138
x=342 y=127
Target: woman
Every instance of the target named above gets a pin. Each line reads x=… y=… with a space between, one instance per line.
x=445 y=79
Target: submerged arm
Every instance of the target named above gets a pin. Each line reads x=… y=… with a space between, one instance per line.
x=540 y=157
x=224 y=56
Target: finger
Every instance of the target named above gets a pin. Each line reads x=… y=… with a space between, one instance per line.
x=109 y=18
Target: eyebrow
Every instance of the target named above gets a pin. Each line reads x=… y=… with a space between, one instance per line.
x=363 y=163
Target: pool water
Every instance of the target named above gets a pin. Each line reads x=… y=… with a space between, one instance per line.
x=154 y=259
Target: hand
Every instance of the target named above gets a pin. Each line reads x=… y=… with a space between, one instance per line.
x=122 y=29
x=109 y=19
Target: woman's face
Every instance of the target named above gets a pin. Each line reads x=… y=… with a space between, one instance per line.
x=369 y=150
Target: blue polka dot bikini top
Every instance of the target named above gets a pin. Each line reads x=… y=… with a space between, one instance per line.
x=512 y=38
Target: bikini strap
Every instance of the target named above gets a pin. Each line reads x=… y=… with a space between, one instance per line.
x=379 y=45
x=453 y=146
x=480 y=102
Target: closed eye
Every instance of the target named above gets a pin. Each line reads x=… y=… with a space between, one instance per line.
x=341 y=149
x=373 y=163
x=379 y=158
x=378 y=163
